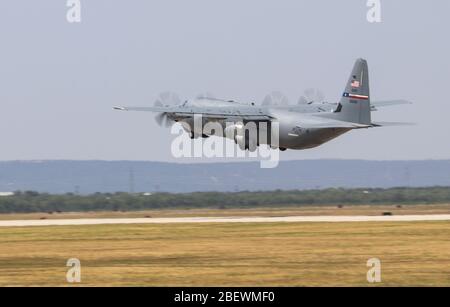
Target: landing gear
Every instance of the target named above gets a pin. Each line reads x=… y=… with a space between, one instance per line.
x=283 y=149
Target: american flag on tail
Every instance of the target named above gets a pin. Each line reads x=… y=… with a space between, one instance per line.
x=355 y=84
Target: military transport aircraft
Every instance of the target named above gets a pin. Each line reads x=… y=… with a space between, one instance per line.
x=299 y=126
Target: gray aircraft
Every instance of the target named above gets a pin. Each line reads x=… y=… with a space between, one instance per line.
x=301 y=126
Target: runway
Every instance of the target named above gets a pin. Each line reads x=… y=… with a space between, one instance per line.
x=287 y=219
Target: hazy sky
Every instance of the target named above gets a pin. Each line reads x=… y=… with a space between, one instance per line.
x=58 y=81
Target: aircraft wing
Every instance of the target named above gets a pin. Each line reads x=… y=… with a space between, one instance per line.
x=306 y=121
x=249 y=113
x=146 y=109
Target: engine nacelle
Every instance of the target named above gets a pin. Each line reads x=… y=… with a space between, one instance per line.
x=195 y=131
x=238 y=134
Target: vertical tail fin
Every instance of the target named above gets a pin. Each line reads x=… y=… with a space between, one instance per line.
x=354 y=105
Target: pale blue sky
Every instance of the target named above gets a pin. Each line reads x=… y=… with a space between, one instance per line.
x=58 y=81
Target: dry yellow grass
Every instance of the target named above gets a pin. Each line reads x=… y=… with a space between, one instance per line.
x=275 y=254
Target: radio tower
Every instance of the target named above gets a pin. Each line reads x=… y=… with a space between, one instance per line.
x=131 y=181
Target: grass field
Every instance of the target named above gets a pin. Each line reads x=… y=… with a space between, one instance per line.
x=276 y=211
x=276 y=254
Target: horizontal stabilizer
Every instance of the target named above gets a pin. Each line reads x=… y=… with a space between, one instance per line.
x=392 y=124
x=317 y=122
x=387 y=103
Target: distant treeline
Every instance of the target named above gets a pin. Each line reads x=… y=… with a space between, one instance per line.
x=30 y=201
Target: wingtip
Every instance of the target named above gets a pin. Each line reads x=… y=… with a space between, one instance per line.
x=406 y=101
x=119 y=108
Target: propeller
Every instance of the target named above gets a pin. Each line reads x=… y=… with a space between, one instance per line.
x=163 y=120
x=205 y=95
x=311 y=95
x=166 y=99
x=275 y=98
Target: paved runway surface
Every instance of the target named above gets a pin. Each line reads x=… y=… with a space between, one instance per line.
x=291 y=219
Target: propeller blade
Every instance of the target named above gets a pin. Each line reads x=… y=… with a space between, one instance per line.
x=205 y=95
x=275 y=98
x=163 y=120
x=169 y=122
x=311 y=95
x=302 y=100
x=160 y=119
x=167 y=99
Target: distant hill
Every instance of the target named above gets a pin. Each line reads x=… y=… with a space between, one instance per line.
x=87 y=177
